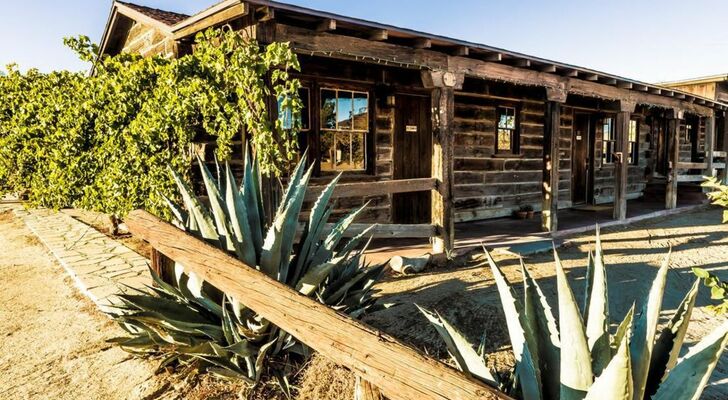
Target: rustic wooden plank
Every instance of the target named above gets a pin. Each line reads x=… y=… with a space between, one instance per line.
x=621 y=172
x=366 y=391
x=399 y=371
x=709 y=145
x=361 y=189
x=720 y=153
x=673 y=134
x=326 y=25
x=691 y=165
x=690 y=178
x=443 y=213
x=551 y=153
x=215 y=15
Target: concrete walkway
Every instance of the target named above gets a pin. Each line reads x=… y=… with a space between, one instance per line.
x=100 y=267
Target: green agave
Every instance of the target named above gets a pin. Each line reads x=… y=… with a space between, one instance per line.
x=190 y=322
x=577 y=357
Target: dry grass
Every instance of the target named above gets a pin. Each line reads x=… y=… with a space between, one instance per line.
x=323 y=379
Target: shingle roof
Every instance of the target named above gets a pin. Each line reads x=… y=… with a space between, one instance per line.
x=168 y=18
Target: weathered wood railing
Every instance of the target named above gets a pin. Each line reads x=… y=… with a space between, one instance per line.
x=394 y=368
x=364 y=189
x=702 y=166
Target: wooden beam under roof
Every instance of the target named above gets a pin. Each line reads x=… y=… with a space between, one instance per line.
x=462 y=51
x=624 y=85
x=265 y=13
x=548 y=68
x=655 y=90
x=422 y=43
x=379 y=35
x=572 y=73
x=304 y=40
x=523 y=63
x=216 y=15
x=327 y=25
x=492 y=57
x=592 y=77
x=640 y=87
x=609 y=81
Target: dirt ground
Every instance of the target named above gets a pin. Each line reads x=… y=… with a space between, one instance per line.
x=62 y=336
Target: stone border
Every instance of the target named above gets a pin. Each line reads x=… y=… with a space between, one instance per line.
x=99 y=266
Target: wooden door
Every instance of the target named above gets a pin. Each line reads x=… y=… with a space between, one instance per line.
x=580 y=160
x=662 y=146
x=412 y=157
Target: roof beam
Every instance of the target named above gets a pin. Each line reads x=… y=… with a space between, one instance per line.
x=654 y=90
x=640 y=87
x=592 y=77
x=492 y=57
x=215 y=15
x=422 y=43
x=304 y=40
x=548 y=68
x=379 y=35
x=265 y=13
x=523 y=63
x=624 y=85
x=327 y=25
x=572 y=73
x=462 y=51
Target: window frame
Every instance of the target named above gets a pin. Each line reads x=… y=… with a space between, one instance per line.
x=367 y=134
x=608 y=157
x=634 y=145
x=515 y=149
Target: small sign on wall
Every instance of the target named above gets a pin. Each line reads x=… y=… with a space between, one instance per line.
x=411 y=129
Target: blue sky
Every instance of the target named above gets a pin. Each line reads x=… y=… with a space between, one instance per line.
x=651 y=40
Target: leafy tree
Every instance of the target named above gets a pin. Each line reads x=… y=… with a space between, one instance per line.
x=103 y=142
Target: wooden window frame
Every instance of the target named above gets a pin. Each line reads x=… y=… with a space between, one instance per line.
x=608 y=145
x=634 y=145
x=515 y=149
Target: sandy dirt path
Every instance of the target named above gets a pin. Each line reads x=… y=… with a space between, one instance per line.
x=468 y=298
x=52 y=340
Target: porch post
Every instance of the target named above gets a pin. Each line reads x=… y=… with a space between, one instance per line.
x=709 y=144
x=443 y=85
x=673 y=132
x=551 y=156
x=724 y=120
x=621 y=170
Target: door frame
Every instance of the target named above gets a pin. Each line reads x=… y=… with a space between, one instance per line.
x=426 y=97
x=592 y=119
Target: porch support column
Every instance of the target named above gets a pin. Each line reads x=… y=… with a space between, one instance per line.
x=555 y=97
x=673 y=133
x=709 y=144
x=443 y=85
x=621 y=170
x=724 y=122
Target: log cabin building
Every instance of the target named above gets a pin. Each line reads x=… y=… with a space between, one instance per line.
x=433 y=131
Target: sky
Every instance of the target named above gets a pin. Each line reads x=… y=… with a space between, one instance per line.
x=648 y=40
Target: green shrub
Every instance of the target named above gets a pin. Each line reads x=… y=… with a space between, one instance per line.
x=577 y=357
x=103 y=142
x=192 y=323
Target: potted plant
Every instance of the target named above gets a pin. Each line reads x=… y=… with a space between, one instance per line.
x=529 y=211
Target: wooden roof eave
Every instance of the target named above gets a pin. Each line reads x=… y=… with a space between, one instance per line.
x=219 y=13
x=331 y=45
x=142 y=18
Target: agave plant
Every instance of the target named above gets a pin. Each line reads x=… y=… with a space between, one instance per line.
x=190 y=322
x=577 y=357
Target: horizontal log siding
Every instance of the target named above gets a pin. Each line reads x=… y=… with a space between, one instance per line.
x=636 y=181
x=148 y=41
x=488 y=187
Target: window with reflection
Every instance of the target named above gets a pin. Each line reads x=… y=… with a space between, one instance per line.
x=285 y=113
x=506 y=131
x=634 y=134
x=608 y=140
x=344 y=125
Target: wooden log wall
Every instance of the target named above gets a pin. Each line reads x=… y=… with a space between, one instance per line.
x=490 y=186
x=604 y=178
x=149 y=41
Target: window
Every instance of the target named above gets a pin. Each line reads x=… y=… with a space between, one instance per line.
x=506 y=131
x=285 y=114
x=344 y=125
x=608 y=140
x=634 y=134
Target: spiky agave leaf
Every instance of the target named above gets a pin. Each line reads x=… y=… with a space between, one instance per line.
x=540 y=318
x=219 y=210
x=688 y=379
x=465 y=356
x=645 y=328
x=615 y=382
x=526 y=365
x=624 y=329
x=204 y=225
x=597 y=324
x=576 y=363
x=239 y=221
x=588 y=278
x=667 y=347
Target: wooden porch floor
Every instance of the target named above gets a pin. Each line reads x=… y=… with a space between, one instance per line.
x=524 y=236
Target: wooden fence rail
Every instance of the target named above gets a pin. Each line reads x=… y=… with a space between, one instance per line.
x=396 y=369
x=361 y=189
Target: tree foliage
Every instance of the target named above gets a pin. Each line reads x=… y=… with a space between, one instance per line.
x=103 y=141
